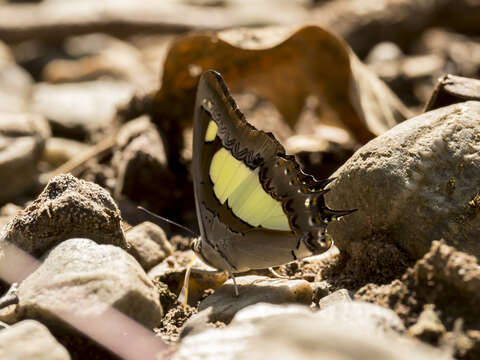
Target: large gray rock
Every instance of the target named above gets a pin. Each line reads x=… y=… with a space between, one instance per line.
x=30 y=340
x=416 y=183
x=22 y=141
x=82 y=280
x=67 y=207
x=298 y=334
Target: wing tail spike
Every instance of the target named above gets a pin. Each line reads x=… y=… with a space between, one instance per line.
x=336 y=214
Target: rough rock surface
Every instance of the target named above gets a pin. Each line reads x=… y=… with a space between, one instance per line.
x=149 y=244
x=448 y=278
x=22 y=140
x=66 y=208
x=298 y=335
x=416 y=183
x=429 y=327
x=80 y=279
x=30 y=340
x=442 y=277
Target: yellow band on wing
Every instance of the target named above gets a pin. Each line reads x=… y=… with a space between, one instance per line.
x=235 y=182
x=211 y=131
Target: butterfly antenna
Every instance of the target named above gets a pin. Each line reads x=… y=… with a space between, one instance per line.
x=167 y=220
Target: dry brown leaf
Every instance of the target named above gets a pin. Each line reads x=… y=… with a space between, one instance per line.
x=285 y=68
x=452 y=89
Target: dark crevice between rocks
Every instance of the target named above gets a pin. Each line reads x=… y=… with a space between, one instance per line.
x=369 y=262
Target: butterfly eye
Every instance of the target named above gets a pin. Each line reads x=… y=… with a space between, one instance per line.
x=288 y=206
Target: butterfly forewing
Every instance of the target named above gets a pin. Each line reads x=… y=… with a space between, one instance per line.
x=253 y=202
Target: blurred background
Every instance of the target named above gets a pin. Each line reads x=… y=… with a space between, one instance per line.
x=74 y=73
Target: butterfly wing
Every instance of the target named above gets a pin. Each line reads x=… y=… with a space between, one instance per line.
x=255 y=206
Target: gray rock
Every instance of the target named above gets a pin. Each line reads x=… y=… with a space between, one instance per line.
x=82 y=280
x=66 y=208
x=339 y=296
x=15 y=84
x=149 y=244
x=10 y=209
x=8 y=300
x=362 y=316
x=416 y=183
x=30 y=340
x=258 y=312
x=6 y=56
x=299 y=335
x=139 y=162
x=80 y=110
x=222 y=305
x=253 y=313
x=7 y=212
x=100 y=56
x=22 y=140
x=60 y=150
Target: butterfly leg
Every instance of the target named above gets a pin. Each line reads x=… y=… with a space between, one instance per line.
x=183 y=296
x=230 y=274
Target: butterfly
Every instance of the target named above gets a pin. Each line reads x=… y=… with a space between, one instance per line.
x=256 y=207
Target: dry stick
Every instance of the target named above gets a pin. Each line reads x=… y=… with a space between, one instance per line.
x=54 y=21
x=400 y=21
x=75 y=165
